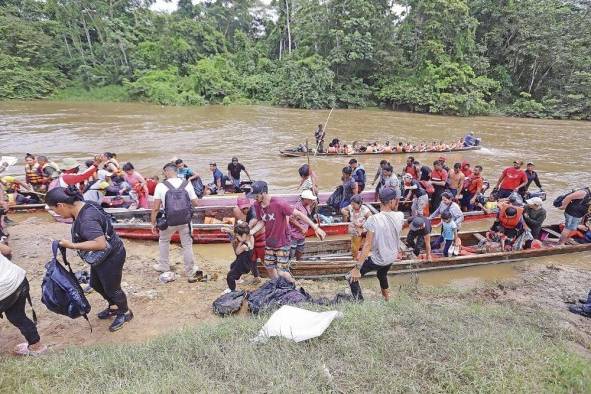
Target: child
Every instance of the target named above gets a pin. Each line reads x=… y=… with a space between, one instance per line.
x=243 y=245
x=357 y=214
x=449 y=232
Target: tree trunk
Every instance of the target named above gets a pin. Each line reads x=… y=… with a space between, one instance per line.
x=287 y=18
x=88 y=37
x=533 y=75
x=67 y=46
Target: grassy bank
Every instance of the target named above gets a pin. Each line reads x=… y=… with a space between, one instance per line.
x=401 y=346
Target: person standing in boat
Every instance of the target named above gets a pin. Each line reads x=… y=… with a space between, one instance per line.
x=411 y=168
x=455 y=181
x=511 y=180
x=308 y=179
x=413 y=191
x=358 y=174
x=92 y=233
x=48 y=171
x=70 y=176
x=319 y=136
x=350 y=187
x=32 y=176
x=379 y=173
x=448 y=204
x=383 y=240
x=234 y=170
x=532 y=177
x=170 y=184
x=472 y=188
x=272 y=214
x=357 y=214
x=138 y=184
x=299 y=227
x=575 y=206
x=439 y=181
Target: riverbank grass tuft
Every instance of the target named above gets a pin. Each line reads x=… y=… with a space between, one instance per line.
x=109 y=93
x=401 y=346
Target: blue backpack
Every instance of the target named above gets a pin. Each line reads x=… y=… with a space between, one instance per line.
x=60 y=291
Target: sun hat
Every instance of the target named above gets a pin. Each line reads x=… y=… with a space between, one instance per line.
x=308 y=195
x=69 y=163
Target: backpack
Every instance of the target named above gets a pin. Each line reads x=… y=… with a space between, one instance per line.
x=558 y=200
x=60 y=290
x=177 y=205
x=198 y=187
x=335 y=198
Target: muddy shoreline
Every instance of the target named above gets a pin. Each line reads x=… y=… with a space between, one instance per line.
x=162 y=308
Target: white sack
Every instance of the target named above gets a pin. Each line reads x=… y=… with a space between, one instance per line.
x=297 y=324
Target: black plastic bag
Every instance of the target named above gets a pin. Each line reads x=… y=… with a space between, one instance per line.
x=228 y=303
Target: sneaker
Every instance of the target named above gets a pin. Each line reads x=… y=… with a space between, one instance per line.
x=196 y=276
x=23 y=349
x=107 y=313
x=578 y=311
x=159 y=268
x=120 y=320
x=226 y=291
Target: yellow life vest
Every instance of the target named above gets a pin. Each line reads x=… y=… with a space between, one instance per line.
x=32 y=174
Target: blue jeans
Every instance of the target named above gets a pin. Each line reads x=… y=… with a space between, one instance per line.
x=571 y=222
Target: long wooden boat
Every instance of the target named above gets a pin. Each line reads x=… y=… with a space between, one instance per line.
x=331 y=259
x=208 y=222
x=296 y=153
x=26 y=208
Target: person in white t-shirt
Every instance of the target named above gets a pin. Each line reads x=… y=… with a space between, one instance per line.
x=185 y=230
x=384 y=230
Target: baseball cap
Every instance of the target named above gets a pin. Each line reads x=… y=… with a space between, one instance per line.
x=407 y=176
x=243 y=202
x=441 y=158
x=534 y=201
x=529 y=163
x=308 y=195
x=388 y=194
x=520 y=162
x=258 y=187
x=417 y=223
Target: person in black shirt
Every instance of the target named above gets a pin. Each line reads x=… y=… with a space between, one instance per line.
x=93 y=232
x=234 y=170
x=419 y=236
x=532 y=176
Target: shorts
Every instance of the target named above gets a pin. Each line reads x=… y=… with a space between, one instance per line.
x=213 y=188
x=277 y=258
x=258 y=253
x=571 y=222
x=297 y=246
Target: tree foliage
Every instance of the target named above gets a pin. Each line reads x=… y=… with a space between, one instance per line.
x=461 y=57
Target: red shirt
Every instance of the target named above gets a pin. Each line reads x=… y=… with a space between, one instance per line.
x=439 y=175
x=512 y=178
x=275 y=217
x=475 y=184
x=412 y=170
x=151 y=186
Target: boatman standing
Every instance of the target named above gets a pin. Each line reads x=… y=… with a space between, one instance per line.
x=319 y=135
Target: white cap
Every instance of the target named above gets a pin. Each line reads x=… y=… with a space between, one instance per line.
x=308 y=195
x=407 y=176
x=534 y=201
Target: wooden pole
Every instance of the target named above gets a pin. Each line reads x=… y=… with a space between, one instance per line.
x=324 y=129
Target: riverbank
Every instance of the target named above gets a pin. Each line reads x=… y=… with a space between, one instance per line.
x=514 y=335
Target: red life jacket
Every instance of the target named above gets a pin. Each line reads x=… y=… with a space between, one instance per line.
x=510 y=222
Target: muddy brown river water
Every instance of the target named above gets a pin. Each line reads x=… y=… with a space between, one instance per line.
x=149 y=135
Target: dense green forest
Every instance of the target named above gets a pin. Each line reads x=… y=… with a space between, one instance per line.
x=464 y=57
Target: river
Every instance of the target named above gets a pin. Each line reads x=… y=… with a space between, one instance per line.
x=150 y=135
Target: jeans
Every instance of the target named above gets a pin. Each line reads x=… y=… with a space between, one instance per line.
x=185 y=234
x=106 y=280
x=465 y=202
x=571 y=222
x=416 y=241
x=369 y=266
x=448 y=244
x=504 y=193
x=16 y=315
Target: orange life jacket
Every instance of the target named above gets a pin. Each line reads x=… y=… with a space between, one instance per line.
x=510 y=222
x=32 y=175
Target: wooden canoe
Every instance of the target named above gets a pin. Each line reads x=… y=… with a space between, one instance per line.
x=26 y=208
x=134 y=224
x=323 y=258
x=294 y=153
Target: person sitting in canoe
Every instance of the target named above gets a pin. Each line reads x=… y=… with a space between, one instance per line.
x=332 y=149
x=32 y=176
x=508 y=226
x=17 y=192
x=48 y=171
x=470 y=140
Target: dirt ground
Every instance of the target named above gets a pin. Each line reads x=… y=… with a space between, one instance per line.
x=160 y=308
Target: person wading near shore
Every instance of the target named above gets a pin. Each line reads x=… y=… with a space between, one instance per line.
x=175 y=196
x=382 y=242
x=97 y=244
x=273 y=214
x=511 y=180
x=14 y=294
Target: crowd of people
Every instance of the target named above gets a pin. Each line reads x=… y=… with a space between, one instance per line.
x=336 y=146
x=272 y=232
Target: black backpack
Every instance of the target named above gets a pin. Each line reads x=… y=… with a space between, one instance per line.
x=60 y=291
x=177 y=205
x=335 y=198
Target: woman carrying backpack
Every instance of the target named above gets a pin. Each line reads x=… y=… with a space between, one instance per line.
x=96 y=242
x=14 y=293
